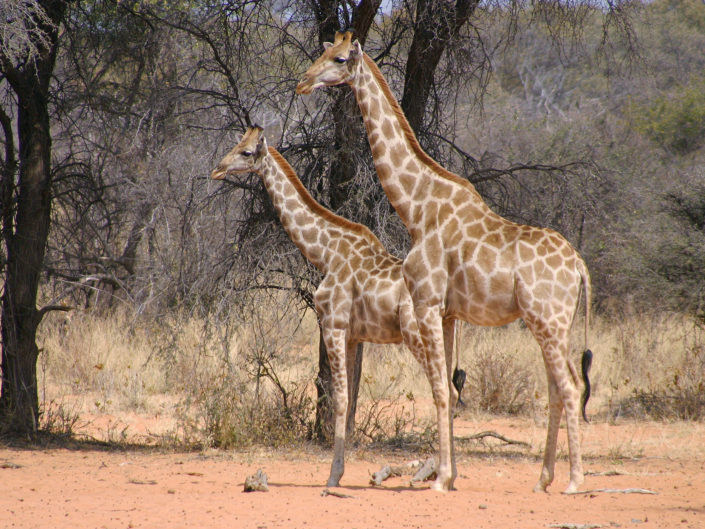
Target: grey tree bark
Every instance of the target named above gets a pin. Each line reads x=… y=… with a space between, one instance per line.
x=25 y=233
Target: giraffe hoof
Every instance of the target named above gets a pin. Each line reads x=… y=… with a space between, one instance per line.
x=440 y=486
x=540 y=487
x=572 y=488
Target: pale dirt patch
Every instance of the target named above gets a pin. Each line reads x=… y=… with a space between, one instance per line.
x=85 y=487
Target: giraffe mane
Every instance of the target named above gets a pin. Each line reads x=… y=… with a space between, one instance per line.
x=409 y=133
x=316 y=207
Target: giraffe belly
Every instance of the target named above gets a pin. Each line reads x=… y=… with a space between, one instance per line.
x=482 y=300
x=374 y=319
x=379 y=331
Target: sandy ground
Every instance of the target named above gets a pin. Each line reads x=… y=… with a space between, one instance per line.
x=82 y=485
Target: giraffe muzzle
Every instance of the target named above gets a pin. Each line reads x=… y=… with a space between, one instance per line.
x=218 y=174
x=305 y=86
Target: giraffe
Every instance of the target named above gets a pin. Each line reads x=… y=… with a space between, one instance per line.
x=362 y=296
x=466 y=262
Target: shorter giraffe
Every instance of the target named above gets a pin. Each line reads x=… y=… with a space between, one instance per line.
x=362 y=297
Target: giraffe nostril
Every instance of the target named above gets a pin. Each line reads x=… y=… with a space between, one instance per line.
x=304 y=86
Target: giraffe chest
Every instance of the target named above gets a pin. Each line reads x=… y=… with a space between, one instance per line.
x=374 y=313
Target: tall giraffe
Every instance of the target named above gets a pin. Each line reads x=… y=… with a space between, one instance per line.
x=467 y=262
x=362 y=297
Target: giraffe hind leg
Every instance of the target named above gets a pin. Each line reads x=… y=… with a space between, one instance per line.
x=566 y=391
x=453 y=390
x=555 y=410
x=563 y=395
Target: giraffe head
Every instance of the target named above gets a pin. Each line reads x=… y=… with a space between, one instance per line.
x=245 y=157
x=336 y=65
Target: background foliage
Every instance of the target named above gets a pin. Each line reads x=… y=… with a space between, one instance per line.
x=565 y=115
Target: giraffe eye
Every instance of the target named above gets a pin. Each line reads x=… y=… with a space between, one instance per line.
x=247 y=153
x=340 y=60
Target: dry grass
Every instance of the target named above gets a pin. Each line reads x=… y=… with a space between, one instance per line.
x=650 y=366
x=251 y=382
x=111 y=359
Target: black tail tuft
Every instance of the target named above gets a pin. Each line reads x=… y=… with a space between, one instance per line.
x=586 y=362
x=459 y=381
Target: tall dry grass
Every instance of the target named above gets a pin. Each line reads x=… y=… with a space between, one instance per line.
x=251 y=380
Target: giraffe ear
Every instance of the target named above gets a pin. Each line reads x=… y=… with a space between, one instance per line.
x=327 y=45
x=261 y=146
x=355 y=49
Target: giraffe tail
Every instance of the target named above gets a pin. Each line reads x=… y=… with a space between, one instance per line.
x=586 y=360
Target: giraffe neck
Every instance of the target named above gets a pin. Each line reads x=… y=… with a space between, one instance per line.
x=301 y=223
x=406 y=172
x=311 y=227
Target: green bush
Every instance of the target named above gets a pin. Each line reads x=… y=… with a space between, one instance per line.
x=675 y=120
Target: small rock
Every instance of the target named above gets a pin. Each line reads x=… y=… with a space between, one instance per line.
x=257 y=482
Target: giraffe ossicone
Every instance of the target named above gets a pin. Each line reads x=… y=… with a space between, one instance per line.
x=466 y=262
x=362 y=296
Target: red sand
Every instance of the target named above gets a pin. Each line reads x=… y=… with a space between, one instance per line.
x=92 y=488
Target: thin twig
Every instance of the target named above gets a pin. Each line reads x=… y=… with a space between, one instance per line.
x=482 y=435
x=613 y=491
x=615 y=472
x=576 y=525
x=142 y=482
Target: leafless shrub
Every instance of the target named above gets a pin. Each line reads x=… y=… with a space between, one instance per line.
x=393 y=423
x=224 y=412
x=257 y=390
x=499 y=383
x=59 y=420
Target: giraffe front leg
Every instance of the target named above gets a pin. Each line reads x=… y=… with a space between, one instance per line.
x=335 y=344
x=431 y=329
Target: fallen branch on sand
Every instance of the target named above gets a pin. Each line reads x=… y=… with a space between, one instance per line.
x=615 y=472
x=575 y=526
x=427 y=471
x=420 y=472
x=142 y=481
x=328 y=492
x=613 y=491
x=385 y=472
x=482 y=435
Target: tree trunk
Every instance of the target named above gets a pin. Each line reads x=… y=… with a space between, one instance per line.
x=25 y=255
x=348 y=129
x=436 y=24
x=323 y=424
x=26 y=239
